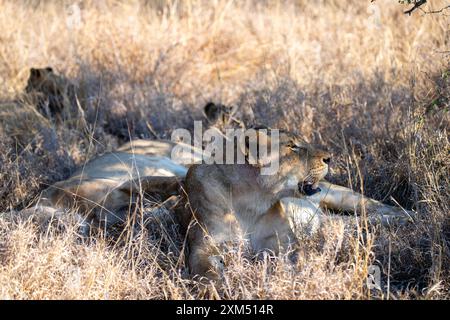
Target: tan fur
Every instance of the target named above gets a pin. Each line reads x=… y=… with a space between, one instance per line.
x=306 y=213
x=231 y=201
x=100 y=190
x=223 y=202
x=148 y=147
x=103 y=189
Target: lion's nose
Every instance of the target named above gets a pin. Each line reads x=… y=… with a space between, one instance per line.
x=326 y=160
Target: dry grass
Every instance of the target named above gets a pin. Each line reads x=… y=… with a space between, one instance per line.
x=375 y=91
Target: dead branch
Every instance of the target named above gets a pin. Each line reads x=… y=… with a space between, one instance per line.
x=416 y=6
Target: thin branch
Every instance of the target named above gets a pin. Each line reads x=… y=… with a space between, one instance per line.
x=416 y=6
x=438 y=11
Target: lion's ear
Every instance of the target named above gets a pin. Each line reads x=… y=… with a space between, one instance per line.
x=212 y=111
x=34 y=73
x=291 y=140
x=297 y=148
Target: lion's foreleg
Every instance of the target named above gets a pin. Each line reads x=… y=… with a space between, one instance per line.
x=204 y=258
x=46 y=217
x=341 y=198
x=304 y=215
x=273 y=233
x=164 y=186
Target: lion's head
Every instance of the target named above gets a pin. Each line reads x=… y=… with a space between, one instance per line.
x=41 y=80
x=221 y=116
x=50 y=92
x=299 y=162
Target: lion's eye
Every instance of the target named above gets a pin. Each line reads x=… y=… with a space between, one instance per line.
x=296 y=148
x=292 y=145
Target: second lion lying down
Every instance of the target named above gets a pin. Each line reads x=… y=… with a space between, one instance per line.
x=221 y=202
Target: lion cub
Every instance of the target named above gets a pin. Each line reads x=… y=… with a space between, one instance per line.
x=53 y=95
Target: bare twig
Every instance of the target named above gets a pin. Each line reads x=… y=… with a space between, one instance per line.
x=438 y=11
x=416 y=6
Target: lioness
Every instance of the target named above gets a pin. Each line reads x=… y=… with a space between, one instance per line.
x=100 y=189
x=234 y=201
x=224 y=201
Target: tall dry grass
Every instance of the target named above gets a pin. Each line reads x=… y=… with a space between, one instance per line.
x=367 y=81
